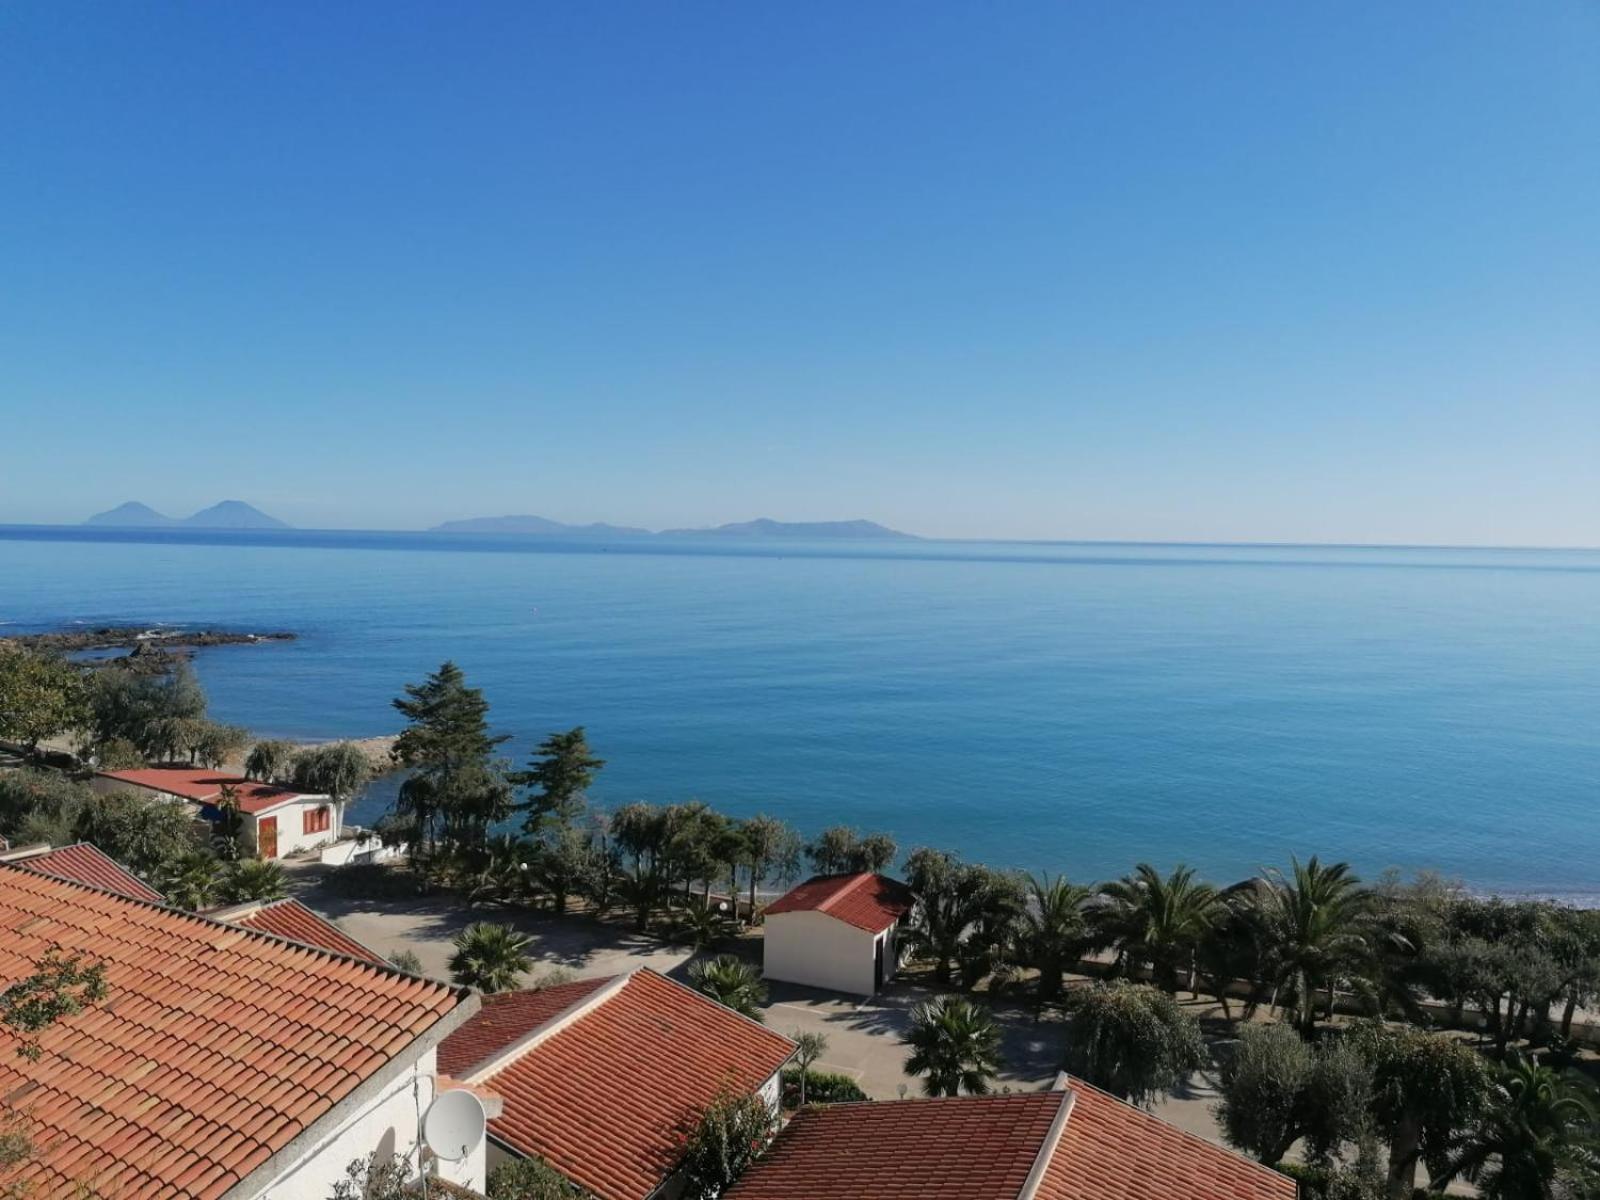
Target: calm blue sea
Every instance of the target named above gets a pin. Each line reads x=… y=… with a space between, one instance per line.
x=1063 y=707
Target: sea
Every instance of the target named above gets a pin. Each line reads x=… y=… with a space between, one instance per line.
x=1069 y=708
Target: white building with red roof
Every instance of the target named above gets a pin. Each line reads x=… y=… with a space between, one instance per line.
x=601 y=1078
x=1073 y=1143
x=277 y=820
x=837 y=932
x=223 y=1063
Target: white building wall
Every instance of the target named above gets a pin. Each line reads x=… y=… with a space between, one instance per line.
x=817 y=950
x=291 y=823
x=389 y=1123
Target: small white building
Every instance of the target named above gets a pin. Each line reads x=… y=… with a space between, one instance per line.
x=244 y=1065
x=837 y=932
x=277 y=820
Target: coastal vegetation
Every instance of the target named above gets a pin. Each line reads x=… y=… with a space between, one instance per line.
x=490 y=957
x=1131 y=1039
x=731 y=982
x=530 y=1179
x=808 y=1048
x=1370 y=1031
x=730 y=1134
x=955 y=1047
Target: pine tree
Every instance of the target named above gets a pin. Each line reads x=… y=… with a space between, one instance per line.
x=457 y=789
x=559 y=773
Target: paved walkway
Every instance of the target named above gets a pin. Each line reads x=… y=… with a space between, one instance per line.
x=864 y=1037
x=427 y=926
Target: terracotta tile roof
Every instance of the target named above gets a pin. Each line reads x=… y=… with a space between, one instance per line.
x=969 y=1148
x=506 y=1018
x=290 y=919
x=88 y=864
x=865 y=900
x=1112 y=1151
x=987 y=1148
x=205 y=786
x=215 y=1047
x=604 y=1098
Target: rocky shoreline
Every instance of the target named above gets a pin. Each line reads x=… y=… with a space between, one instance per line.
x=149 y=650
x=139 y=637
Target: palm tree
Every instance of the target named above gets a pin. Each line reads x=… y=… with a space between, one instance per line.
x=190 y=881
x=255 y=879
x=731 y=982
x=1538 y=1132
x=808 y=1048
x=1316 y=925
x=1052 y=931
x=230 y=823
x=700 y=924
x=489 y=957
x=1159 y=921
x=501 y=874
x=955 y=1046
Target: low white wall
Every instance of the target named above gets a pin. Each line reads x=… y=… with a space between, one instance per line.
x=358 y=850
x=389 y=1124
x=814 y=949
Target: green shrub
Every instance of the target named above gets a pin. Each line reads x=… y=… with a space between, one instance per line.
x=731 y=1134
x=822 y=1087
x=531 y=1179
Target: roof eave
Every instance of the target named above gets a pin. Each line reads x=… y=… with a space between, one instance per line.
x=329 y=1122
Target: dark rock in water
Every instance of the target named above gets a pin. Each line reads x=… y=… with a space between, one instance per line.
x=147 y=648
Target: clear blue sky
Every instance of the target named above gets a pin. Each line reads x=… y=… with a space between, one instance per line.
x=1191 y=271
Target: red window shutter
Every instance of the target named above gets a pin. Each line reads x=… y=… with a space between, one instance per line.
x=315 y=820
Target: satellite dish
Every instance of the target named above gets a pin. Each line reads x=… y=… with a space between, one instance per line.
x=453 y=1125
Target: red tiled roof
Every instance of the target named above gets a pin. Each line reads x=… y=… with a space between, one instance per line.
x=969 y=1148
x=1113 y=1151
x=605 y=1098
x=293 y=920
x=865 y=900
x=88 y=864
x=509 y=1017
x=987 y=1147
x=205 y=786
x=215 y=1047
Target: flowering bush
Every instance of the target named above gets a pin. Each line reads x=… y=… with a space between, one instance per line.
x=728 y=1136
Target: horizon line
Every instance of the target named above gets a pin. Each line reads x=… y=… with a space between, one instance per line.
x=1198 y=543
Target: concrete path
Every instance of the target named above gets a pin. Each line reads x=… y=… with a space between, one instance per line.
x=427 y=926
x=864 y=1037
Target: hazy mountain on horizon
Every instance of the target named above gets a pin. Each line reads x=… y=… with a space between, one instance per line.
x=528 y=523
x=228 y=514
x=767 y=527
x=761 y=527
x=133 y=514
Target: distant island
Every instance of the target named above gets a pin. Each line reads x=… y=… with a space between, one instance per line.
x=236 y=515
x=531 y=524
x=229 y=514
x=763 y=527
x=766 y=527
